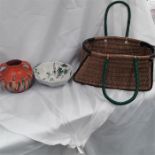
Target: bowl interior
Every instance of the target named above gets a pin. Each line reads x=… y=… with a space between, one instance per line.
x=53 y=72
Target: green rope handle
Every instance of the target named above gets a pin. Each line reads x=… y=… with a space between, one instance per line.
x=128 y=21
x=137 y=81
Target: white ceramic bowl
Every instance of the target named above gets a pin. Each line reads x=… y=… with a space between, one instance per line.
x=53 y=73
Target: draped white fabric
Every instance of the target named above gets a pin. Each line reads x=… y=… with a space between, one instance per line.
x=14 y=144
x=38 y=31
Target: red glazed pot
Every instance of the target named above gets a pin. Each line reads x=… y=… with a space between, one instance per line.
x=16 y=75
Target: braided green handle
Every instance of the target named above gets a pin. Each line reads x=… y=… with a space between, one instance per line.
x=137 y=82
x=106 y=14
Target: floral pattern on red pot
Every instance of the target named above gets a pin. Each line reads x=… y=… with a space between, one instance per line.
x=16 y=76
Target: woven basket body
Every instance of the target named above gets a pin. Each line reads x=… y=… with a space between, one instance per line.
x=117 y=62
x=120 y=51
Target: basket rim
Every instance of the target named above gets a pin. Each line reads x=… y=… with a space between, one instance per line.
x=126 y=39
x=124 y=56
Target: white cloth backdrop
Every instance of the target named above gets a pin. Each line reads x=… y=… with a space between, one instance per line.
x=38 y=31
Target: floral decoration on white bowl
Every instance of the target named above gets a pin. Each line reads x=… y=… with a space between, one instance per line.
x=53 y=73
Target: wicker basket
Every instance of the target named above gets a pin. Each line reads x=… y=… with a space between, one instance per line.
x=117 y=62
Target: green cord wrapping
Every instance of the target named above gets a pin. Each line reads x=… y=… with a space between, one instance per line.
x=128 y=21
x=137 y=82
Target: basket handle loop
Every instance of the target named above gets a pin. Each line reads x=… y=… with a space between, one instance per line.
x=128 y=21
x=137 y=81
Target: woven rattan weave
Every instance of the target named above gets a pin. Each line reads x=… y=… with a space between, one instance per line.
x=117 y=62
